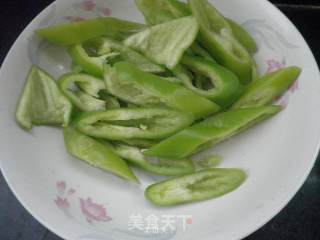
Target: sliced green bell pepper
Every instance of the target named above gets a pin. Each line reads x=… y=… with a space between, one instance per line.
x=224 y=87
x=217 y=37
x=210 y=132
x=243 y=36
x=165 y=168
x=82 y=90
x=79 y=32
x=41 y=102
x=195 y=187
x=96 y=154
x=268 y=88
x=129 y=83
x=133 y=123
x=106 y=46
x=160 y=11
x=165 y=43
x=90 y=64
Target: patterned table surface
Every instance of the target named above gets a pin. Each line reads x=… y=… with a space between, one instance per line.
x=298 y=221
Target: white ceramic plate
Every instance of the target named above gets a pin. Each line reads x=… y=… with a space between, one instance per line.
x=79 y=202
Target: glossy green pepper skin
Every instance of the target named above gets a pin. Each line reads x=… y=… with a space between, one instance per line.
x=134 y=156
x=129 y=83
x=210 y=132
x=133 y=123
x=268 y=88
x=96 y=154
x=225 y=87
x=41 y=102
x=86 y=98
x=195 y=187
x=79 y=32
x=217 y=37
x=243 y=36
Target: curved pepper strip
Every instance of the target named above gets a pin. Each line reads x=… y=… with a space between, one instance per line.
x=195 y=187
x=96 y=154
x=217 y=37
x=41 y=102
x=210 y=132
x=268 y=88
x=243 y=36
x=164 y=168
x=89 y=64
x=133 y=123
x=226 y=87
x=79 y=32
x=129 y=83
x=86 y=97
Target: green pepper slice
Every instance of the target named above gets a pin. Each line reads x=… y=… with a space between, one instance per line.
x=82 y=90
x=163 y=167
x=79 y=32
x=165 y=43
x=107 y=45
x=96 y=154
x=210 y=132
x=268 y=88
x=90 y=64
x=217 y=37
x=243 y=36
x=224 y=87
x=195 y=187
x=133 y=123
x=129 y=83
x=160 y=11
x=41 y=102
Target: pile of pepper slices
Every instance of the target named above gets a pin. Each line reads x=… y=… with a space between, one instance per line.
x=154 y=95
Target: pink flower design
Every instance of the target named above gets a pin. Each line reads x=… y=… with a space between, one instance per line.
x=88 y=5
x=74 y=18
x=283 y=102
x=93 y=211
x=71 y=191
x=104 y=11
x=61 y=187
x=63 y=204
x=274 y=65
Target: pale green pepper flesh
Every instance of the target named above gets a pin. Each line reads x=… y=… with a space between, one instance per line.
x=195 y=187
x=41 y=102
x=96 y=154
x=133 y=123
